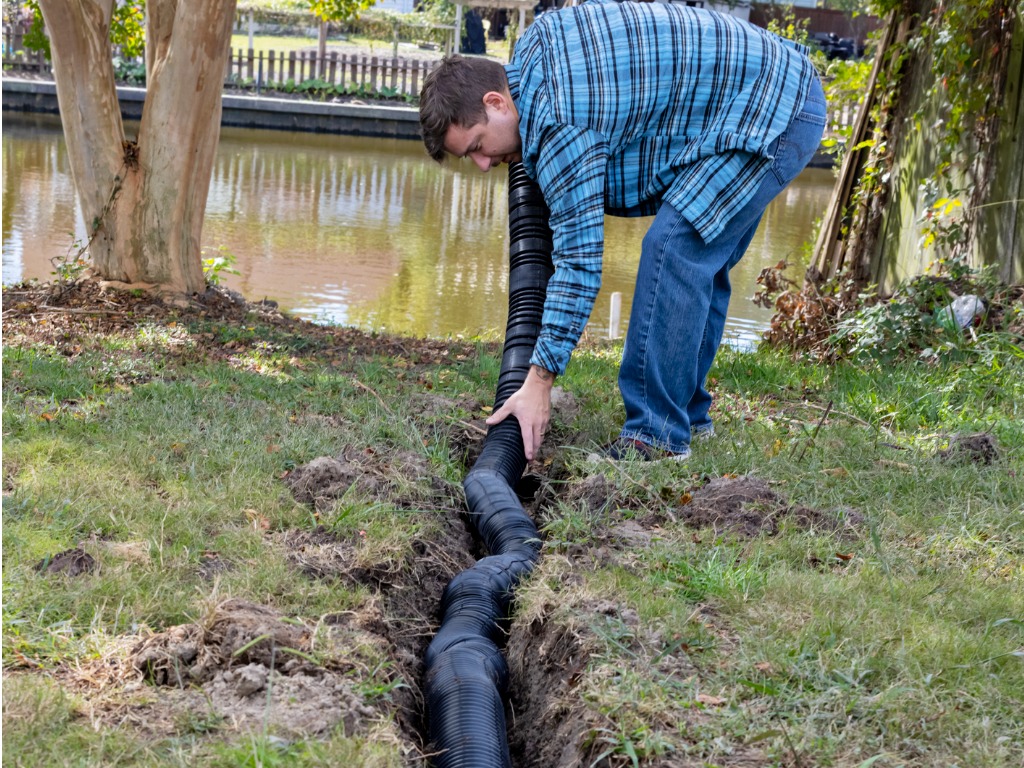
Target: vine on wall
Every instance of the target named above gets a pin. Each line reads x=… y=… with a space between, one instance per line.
x=940 y=80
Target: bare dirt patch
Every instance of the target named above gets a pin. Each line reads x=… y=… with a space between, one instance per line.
x=746 y=506
x=402 y=477
x=980 y=448
x=70 y=562
x=249 y=667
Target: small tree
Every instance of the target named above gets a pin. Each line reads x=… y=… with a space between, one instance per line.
x=143 y=198
x=334 y=10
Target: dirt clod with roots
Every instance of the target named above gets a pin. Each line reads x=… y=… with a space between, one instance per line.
x=746 y=506
x=402 y=477
x=70 y=562
x=980 y=448
x=256 y=670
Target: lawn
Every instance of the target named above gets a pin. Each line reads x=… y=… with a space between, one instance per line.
x=226 y=532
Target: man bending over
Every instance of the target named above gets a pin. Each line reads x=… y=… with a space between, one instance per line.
x=636 y=109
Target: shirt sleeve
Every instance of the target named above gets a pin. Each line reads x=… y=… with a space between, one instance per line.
x=571 y=168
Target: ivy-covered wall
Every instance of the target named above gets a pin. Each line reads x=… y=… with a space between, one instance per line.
x=933 y=174
x=955 y=165
x=1000 y=226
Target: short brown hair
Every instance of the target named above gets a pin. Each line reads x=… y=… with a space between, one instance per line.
x=453 y=94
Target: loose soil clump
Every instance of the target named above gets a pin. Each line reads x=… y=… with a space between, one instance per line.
x=746 y=507
x=70 y=562
x=237 y=632
x=403 y=478
x=980 y=448
x=256 y=670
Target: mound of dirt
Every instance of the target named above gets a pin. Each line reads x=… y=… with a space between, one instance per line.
x=70 y=562
x=237 y=633
x=980 y=448
x=401 y=478
x=746 y=506
x=245 y=660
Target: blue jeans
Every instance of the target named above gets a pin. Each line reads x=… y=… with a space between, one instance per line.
x=682 y=295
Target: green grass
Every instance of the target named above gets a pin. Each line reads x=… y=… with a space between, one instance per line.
x=901 y=644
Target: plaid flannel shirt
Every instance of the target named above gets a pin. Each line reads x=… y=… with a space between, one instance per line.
x=623 y=106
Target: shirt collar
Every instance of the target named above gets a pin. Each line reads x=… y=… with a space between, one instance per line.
x=512 y=73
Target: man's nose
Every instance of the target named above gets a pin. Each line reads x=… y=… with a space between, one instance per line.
x=482 y=161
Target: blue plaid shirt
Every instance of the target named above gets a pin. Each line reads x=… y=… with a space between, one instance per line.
x=625 y=106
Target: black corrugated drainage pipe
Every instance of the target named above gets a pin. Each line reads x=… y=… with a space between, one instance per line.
x=466 y=673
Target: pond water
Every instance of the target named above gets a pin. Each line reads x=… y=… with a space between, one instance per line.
x=365 y=232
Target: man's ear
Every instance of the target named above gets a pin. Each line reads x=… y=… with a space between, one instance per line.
x=495 y=100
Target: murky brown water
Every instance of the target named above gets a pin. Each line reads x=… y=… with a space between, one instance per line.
x=365 y=232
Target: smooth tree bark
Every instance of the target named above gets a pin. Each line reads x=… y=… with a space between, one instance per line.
x=143 y=198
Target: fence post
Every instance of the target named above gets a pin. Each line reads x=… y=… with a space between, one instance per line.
x=416 y=77
x=615 y=315
x=270 y=67
x=333 y=68
x=341 y=70
x=291 y=66
x=374 y=69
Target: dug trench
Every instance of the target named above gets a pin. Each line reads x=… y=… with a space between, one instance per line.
x=549 y=723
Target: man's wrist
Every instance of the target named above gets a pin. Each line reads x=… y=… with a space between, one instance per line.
x=543 y=374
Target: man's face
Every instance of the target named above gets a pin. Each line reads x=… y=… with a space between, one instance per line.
x=492 y=141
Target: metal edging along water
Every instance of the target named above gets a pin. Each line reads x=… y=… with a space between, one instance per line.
x=262 y=112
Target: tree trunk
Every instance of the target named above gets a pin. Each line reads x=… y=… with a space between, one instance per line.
x=143 y=200
x=80 y=49
x=321 y=48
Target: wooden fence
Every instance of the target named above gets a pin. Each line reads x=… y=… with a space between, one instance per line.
x=357 y=73
x=360 y=74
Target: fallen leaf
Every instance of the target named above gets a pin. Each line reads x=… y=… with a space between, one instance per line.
x=835 y=472
x=763 y=666
x=897 y=464
x=259 y=522
x=711 y=701
x=846 y=556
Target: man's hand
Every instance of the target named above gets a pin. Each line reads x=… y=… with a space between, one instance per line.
x=531 y=405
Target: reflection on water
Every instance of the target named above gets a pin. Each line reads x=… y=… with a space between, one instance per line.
x=365 y=232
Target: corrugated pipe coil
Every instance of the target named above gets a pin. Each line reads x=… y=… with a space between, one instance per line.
x=466 y=679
